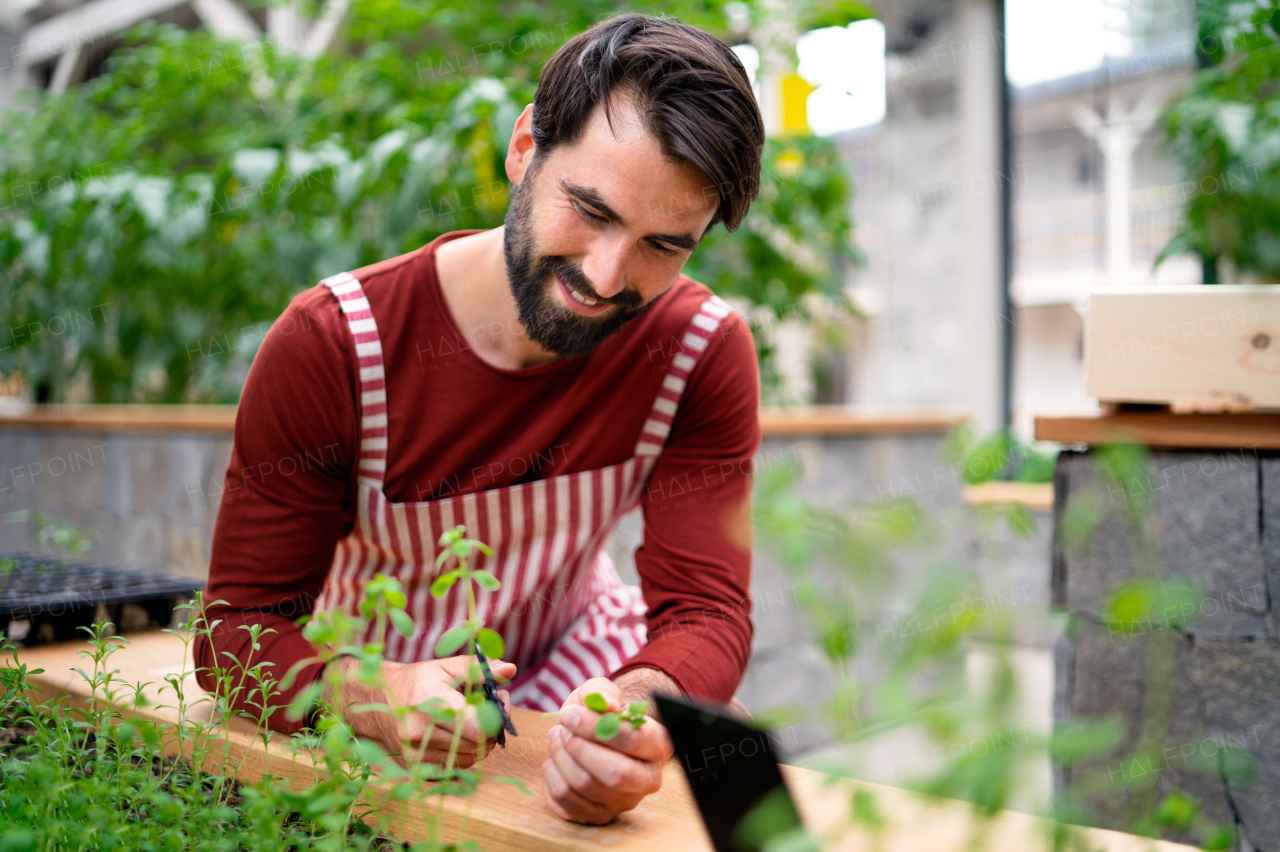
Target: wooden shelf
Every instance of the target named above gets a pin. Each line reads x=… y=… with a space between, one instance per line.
x=124 y=418
x=1164 y=430
x=822 y=420
x=832 y=420
x=1036 y=496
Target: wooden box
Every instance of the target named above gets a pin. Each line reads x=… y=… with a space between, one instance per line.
x=1199 y=346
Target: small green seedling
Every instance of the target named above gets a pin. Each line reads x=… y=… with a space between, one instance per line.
x=611 y=723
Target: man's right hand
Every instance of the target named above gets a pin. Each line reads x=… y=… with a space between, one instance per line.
x=410 y=684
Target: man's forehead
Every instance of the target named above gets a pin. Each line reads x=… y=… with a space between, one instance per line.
x=621 y=161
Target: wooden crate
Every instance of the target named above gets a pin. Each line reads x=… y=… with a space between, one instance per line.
x=1209 y=347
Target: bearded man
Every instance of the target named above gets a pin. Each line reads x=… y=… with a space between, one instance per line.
x=534 y=382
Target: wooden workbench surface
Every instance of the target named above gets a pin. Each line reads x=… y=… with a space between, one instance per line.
x=503 y=818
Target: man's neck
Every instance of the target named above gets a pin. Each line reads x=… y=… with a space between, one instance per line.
x=472 y=272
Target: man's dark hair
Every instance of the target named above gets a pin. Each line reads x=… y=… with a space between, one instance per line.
x=691 y=91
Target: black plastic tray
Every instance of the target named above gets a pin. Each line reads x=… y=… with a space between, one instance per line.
x=67 y=593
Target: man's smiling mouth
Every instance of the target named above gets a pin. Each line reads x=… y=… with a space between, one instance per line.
x=580 y=303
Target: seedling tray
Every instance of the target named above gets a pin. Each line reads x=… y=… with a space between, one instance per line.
x=67 y=593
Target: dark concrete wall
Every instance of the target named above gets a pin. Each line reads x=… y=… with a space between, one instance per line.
x=1214 y=520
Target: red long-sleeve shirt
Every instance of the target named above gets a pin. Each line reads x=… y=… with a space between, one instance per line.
x=457 y=425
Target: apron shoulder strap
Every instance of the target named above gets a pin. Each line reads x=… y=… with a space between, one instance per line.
x=705 y=323
x=373 y=379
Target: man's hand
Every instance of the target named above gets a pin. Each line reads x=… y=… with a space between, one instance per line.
x=411 y=684
x=592 y=781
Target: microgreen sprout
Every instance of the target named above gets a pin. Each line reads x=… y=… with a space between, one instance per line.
x=609 y=724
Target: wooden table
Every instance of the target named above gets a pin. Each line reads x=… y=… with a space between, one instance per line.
x=503 y=818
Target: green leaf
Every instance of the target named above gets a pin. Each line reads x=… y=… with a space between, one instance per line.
x=443 y=583
x=1020 y=520
x=451 y=641
x=491 y=643
x=401 y=621
x=1074 y=740
x=597 y=702
x=17 y=840
x=608 y=726
x=305 y=700
x=835 y=13
x=1177 y=811
x=490 y=718
x=865 y=812
x=486 y=580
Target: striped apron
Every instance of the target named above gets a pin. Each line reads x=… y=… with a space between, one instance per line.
x=563 y=611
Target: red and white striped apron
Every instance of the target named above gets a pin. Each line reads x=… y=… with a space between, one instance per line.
x=563 y=611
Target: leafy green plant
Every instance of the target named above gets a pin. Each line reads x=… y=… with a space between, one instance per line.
x=97 y=777
x=1223 y=132
x=998 y=455
x=903 y=604
x=199 y=184
x=609 y=723
x=63 y=539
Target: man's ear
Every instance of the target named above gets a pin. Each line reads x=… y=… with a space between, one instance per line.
x=520 y=151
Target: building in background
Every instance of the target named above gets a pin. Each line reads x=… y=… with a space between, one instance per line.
x=1094 y=196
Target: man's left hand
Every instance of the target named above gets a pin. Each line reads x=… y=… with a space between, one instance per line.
x=592 y=781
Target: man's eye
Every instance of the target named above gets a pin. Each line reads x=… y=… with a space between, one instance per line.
x=594 y=217
x=663 y=249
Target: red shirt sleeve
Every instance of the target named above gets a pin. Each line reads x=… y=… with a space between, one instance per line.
x=695 y=563
x=286 y=499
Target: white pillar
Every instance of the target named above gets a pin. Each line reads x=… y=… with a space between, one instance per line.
x=1117 y=147
x=1117 y=137
x=979 y=367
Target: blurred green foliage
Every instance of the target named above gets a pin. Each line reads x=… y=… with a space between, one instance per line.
x=155 y=220
x=917 y=615
x=998 y=455
x=1225 y=131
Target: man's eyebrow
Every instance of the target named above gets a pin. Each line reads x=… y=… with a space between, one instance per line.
x=593 y=198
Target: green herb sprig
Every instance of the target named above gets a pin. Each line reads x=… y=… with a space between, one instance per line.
x=609 y=724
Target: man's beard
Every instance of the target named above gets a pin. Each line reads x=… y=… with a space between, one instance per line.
x=549 y=323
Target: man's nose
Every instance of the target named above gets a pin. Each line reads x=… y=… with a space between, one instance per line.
x=605 y=266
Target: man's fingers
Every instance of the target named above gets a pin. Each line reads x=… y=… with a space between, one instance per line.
x=420 y=722
x=568 y=804
x=460 y=666
x=579 y=780
x=604 y=775
x=650 y=741
x=609 y=770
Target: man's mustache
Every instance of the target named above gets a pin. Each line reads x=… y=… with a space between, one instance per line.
x=575 y=279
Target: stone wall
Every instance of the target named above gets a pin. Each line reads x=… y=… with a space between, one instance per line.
x=152 y=498
x=1215 y=520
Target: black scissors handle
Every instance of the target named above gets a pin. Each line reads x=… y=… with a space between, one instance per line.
x=491 y=693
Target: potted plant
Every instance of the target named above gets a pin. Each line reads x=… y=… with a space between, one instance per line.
x=1218 y=346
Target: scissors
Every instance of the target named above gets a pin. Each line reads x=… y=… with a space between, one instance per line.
x=491 y=693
